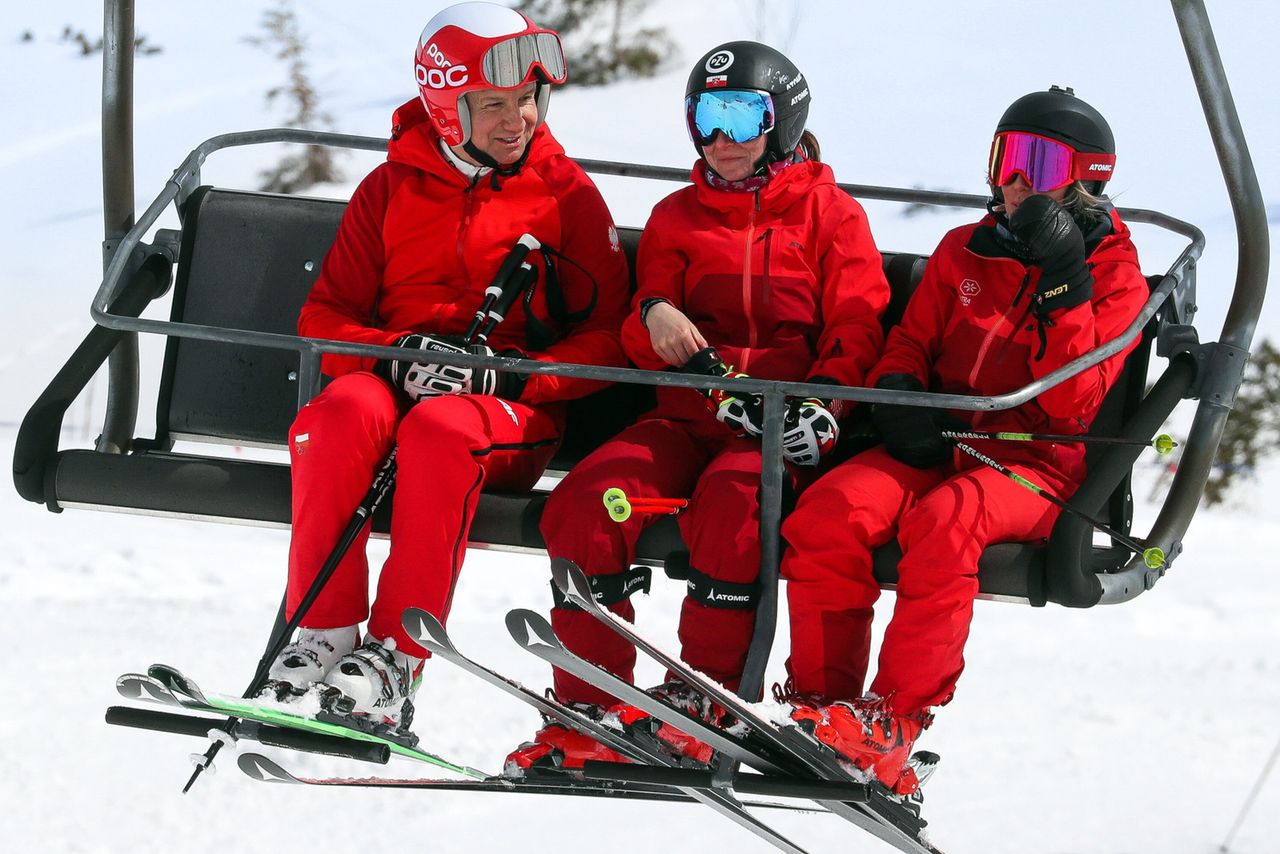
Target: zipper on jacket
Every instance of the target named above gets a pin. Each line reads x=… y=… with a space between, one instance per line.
x=746 y=275
x=768 y=246
x=996 y=327
x=468 y=210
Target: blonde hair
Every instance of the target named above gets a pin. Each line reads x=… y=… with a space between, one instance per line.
x=1082 y=204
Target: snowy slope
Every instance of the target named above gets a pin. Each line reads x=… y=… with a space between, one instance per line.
x=1130 y=729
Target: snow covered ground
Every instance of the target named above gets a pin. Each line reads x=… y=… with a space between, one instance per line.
x=1130 y=729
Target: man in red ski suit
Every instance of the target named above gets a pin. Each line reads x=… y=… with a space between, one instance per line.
x=768 y=261
x=422 y=237
x=994 y=311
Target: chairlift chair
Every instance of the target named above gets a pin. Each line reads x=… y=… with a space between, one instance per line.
x=235 y=372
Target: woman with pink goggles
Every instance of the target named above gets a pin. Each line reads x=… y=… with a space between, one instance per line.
x=1049 y=274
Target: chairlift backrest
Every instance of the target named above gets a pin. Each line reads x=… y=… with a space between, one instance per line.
x=247 y=261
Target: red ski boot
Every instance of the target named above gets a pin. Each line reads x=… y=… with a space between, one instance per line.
x=867 y=734
x=676 y=743
x=557 y=746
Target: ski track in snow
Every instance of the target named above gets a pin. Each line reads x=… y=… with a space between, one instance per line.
x=1138 y=728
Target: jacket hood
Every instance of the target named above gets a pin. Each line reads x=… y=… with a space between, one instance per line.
x=415 y=143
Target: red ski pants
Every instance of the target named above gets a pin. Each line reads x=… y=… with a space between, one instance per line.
x=659 y=457
x=449 y=447
x=943 y=519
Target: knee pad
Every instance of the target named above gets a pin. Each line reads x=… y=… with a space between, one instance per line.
x=608 y=589
x=715 y=593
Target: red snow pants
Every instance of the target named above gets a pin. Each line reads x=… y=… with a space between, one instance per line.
x=943 y=518
x=449 y=447
x=671 y=458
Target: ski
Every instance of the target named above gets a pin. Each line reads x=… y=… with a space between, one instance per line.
x=168 y=685
x=531 y=630
x=264 y=769
x=894 y=820
x=431 y=635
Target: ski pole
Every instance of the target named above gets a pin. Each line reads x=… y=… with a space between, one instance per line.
x=1163 y=444
x=526 y=244
x=1253 y=796
x=381 y=485
x=1152 y=556
x=621 y=507
x=518 y=276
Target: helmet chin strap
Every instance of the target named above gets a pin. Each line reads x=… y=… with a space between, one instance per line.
x=484 y=159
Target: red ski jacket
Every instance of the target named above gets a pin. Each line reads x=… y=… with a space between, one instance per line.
x=967 y=330
x=420 y=241
x=786 y=282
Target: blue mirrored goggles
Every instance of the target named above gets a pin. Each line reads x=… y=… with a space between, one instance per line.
x=739 y=114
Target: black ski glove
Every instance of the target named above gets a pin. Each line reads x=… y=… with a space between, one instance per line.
x=912 y=434
x=1056 y=246
x=744 y=416
x=419 y=377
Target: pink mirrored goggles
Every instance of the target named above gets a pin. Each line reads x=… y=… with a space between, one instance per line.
x=1046 y=164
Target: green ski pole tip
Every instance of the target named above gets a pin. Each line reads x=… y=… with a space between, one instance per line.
x=1153 y=557
x=1164 y=444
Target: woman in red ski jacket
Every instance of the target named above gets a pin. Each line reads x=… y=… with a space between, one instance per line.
x=470 y=169
x=1047 y=276
x=768 y=262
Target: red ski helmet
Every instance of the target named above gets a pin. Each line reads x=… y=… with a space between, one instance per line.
x=472 y=46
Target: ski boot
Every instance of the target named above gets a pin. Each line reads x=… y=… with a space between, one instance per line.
x=308 y=660
x=559 y=747
x=868 y=735
x=373 y=686
x=677 y=744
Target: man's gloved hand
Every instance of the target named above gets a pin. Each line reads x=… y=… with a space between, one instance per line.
x=1056 y=246
x=420 y=377
x=810 y=430
x=912 y=434
x=743 y=416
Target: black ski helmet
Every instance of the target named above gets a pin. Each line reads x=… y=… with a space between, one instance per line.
x=751 y=65
x=1058 y=114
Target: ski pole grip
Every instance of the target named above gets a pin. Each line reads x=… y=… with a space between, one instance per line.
x=526 y=244
x=706 y=362
x=515 y=286
x=498 y=288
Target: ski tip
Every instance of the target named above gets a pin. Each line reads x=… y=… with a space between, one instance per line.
x=560 y=568
x=424 y=628
x=573 y=582
x=262 y=769
x=531 y=629
x=139 y=686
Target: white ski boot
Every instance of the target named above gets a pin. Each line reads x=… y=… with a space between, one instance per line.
x=379 y=681
x=309 y=658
